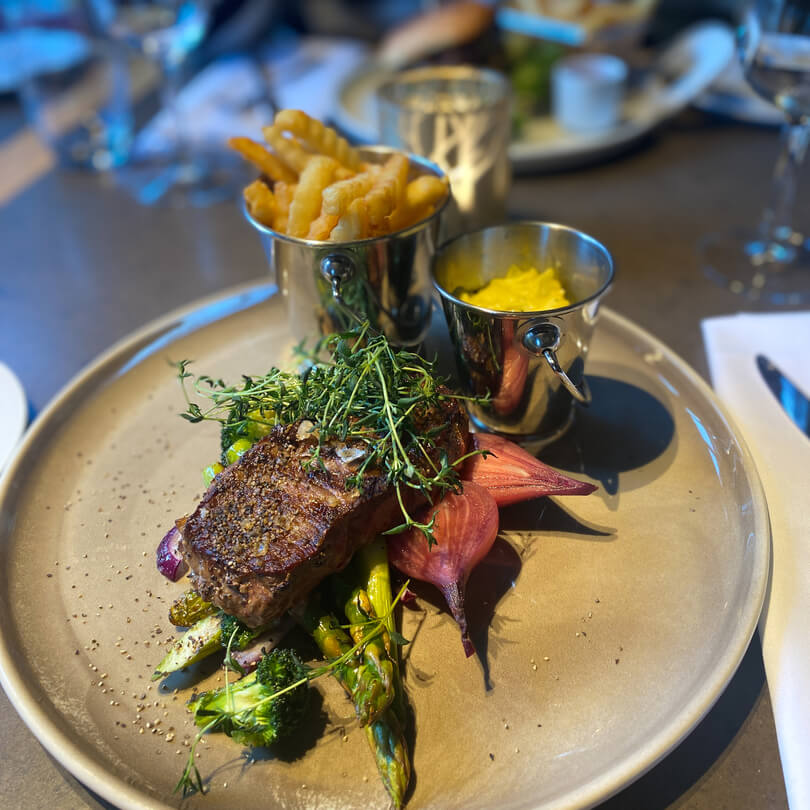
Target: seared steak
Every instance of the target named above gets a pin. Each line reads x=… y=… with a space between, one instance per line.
x=268 y=529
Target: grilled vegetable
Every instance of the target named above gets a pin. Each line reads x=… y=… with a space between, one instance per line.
x=465 y=528
x=189 y=609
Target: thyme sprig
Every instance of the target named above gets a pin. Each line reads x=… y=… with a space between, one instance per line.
x=366 y=391
x=191 y=780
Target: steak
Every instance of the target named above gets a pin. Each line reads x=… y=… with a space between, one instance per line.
x=271 y=527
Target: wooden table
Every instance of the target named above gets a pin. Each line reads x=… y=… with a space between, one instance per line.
x=83 y=265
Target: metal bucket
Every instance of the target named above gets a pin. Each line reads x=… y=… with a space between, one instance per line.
x=386 y=279
x=531 y=364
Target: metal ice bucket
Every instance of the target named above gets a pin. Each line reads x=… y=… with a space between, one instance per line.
x=385 y=279
x=531 y=364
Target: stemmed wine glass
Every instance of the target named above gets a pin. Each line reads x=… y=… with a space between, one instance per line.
x=772 y=261
x=166 y=32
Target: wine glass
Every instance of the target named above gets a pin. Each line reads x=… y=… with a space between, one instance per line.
x=772 y=261
x=167 y=32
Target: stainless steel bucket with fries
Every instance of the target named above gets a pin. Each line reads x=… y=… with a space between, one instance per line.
x=384 y=278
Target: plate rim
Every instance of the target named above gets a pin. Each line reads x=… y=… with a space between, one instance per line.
x=725 y=669
x=213 y=308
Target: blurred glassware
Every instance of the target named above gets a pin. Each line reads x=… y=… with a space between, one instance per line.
x=74 y=85
x=772 y=262
x=174 y=171
x=458 y=117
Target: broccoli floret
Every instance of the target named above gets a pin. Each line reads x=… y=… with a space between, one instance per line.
x=244 y=710
x=279 y=669
x=241 y=633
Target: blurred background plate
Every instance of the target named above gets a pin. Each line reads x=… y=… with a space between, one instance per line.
x=682 y=71
x=732 y=97
x=606 y=626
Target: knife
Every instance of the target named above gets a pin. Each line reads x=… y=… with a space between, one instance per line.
x=793 y=401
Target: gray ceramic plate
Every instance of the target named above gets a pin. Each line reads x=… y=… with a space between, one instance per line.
x=606 y=626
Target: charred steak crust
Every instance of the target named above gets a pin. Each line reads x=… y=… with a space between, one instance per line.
x=268 y=530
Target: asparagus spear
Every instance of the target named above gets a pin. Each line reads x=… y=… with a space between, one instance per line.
x=386 y=736
x=359 y=676
x=197 y=643
x=387 y=742
x=376 y=648
x=373 y=558
x=384 y=732
x=205 y=637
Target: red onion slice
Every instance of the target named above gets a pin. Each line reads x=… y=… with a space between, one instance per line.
x=249 y=658
x=169 y=561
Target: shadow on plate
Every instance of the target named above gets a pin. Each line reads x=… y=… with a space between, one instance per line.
x=521 y=520
x=624 y=429
x=489 y=581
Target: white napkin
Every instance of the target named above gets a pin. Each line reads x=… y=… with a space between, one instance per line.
x=13 y=413
x=230 y=96
x=782 y=456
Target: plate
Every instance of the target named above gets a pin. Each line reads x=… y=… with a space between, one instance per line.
x=732 y=97
x=13 y=413
x=684 y=70
x=606 y=626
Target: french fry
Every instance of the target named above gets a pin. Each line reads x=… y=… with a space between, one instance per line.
x=322 y=227
x=265 y=161
x=284 y=193
x=387 y=190
x=421 y=196
x=261 y=203
x=418 y=214
x=318 y=137
x=306 y=203
x=338 y=196
x=288 y=149
x=322 y=190
x=353 y=225
x=425 y=190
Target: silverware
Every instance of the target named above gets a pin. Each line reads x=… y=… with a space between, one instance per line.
x=793 y=400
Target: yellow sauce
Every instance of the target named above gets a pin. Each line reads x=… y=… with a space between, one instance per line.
x=521 y=290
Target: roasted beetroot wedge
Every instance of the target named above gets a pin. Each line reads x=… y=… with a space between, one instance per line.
x=465 y=529
x=511 y=474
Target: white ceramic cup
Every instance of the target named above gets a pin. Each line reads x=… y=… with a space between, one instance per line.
x=587 y=91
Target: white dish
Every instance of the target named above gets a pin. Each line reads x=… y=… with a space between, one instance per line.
x=690 y=64
x=13 y=413
x=608 y=625
x=731 y=96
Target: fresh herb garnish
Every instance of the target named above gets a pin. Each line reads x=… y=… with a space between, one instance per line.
x=367 y=391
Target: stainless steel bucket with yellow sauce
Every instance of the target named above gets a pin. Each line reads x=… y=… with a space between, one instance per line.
x=530 y=364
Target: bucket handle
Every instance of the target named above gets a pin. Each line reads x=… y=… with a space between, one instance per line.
x=544 y=339
x=338 y=269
